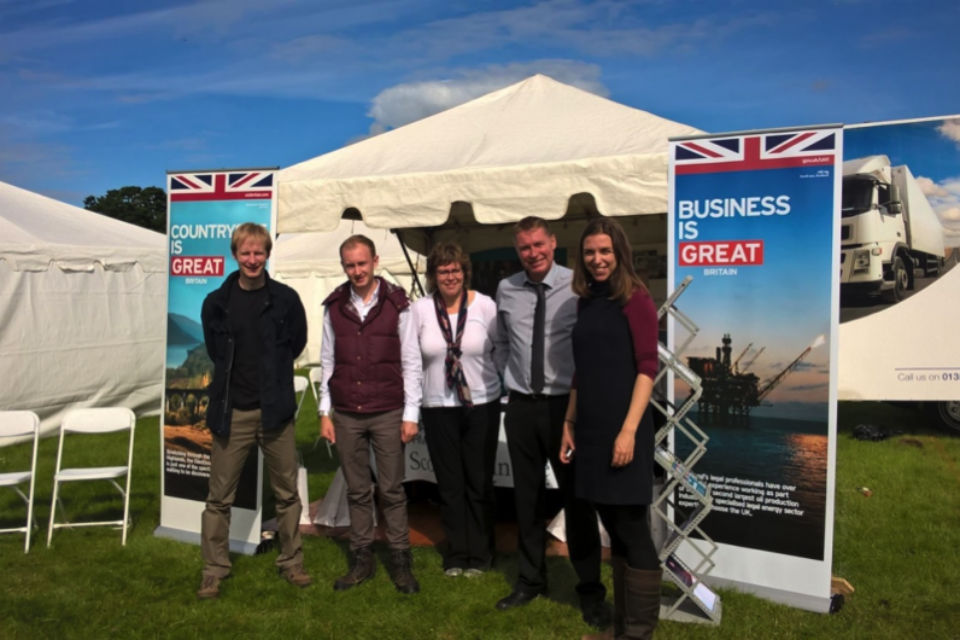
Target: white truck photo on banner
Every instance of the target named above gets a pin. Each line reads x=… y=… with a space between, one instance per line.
x=900 y=244
x=204 y=207
x=753 y=219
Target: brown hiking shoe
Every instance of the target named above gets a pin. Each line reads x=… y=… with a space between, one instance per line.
x=209 y=588
x=296 y=576
x=402 y=574
x=361 y=569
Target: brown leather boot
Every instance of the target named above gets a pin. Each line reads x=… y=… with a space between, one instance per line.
x=641 y=602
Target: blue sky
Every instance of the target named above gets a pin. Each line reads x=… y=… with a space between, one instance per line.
x=97 y=95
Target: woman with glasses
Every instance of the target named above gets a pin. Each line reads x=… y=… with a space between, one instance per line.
x=461 y=405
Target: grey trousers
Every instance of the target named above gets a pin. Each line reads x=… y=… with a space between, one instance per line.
x=227 y=457
x=356 y=433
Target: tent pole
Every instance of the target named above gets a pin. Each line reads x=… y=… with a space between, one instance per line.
x=413 y=269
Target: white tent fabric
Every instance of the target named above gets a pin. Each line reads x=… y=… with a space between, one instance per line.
x=522 y=150
x=310 y=263
x=80 y=320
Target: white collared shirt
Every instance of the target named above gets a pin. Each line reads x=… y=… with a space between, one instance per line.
x=477 y=345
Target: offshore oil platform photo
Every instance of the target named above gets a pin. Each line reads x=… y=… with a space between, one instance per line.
x=730 y=390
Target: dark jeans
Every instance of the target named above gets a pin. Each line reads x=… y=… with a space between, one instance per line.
x=629 y=534
x=463 y=448
x=534 y=427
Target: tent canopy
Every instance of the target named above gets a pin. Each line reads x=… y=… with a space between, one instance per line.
x=36 y=232
x=79 y=318
x=524 y=150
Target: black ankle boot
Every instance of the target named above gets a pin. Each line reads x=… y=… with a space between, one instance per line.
x=361 y=569
x=402 y=573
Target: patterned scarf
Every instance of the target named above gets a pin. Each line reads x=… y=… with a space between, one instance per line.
x=454 y=370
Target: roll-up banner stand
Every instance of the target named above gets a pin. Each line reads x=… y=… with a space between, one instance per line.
x=899 y=288
x=753 y=218
x=204 y=207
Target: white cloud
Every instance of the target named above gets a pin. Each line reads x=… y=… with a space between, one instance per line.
x=312 y=47
x=944 y=197
x=884 y=38
x=951 y=236
x=951 y=129
x=25 y=164
x=931 y=188
x=950 y=215
x=404 y=103
x=281 y=48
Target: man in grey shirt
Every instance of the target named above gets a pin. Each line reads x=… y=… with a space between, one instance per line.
x=536 y=358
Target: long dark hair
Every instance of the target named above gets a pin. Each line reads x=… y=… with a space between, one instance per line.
x=624 y=279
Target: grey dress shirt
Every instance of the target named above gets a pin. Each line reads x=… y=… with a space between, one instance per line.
x=516 y=301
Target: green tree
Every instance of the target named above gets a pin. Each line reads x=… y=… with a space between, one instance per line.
x=145 y=207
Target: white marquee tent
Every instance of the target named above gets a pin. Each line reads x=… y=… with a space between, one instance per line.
x=522 y=150
x=80 y=320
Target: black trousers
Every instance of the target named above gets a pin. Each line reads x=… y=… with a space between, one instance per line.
x=629 y=533
x=534 y=428
x=463 y=449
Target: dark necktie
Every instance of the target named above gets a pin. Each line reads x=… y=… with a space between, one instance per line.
x=536 y=354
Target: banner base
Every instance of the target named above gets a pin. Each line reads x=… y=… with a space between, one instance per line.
x=687 y=612
x=192 y=537
x=804 y=601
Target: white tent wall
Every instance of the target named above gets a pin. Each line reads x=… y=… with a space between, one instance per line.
x=310 y=263
x=81 y=321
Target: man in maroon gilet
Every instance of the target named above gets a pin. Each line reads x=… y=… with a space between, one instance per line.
x=370 y=398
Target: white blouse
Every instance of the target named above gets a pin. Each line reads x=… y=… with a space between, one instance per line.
x=479 y=336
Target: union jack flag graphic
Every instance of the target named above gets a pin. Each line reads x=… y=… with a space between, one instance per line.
x=756 y=151
x=227 y=185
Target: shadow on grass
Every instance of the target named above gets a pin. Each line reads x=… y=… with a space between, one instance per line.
x=897 y=418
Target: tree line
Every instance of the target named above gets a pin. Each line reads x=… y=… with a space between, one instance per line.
x=143 y=206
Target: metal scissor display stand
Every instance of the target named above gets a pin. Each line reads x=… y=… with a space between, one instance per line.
x=697 y=602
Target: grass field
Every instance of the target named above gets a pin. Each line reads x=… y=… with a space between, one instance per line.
x=898 y=548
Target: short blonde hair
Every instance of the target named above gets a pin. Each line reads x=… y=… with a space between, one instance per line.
x=250 y=230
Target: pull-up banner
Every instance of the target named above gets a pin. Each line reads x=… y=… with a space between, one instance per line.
x=753 y=220
x=899 y=230
x=204 y=207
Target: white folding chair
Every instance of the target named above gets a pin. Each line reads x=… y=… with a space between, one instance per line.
x=18 y=424
x=316 y=379
x=93 y=421
x=300 y=384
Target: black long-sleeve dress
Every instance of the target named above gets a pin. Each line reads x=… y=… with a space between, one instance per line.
x=612 y=343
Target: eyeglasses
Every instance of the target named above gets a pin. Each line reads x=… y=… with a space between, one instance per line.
x=454 y=271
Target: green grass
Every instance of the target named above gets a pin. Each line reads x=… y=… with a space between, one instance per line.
x=898 y=548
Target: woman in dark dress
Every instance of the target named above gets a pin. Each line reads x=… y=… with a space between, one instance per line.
x=608 y=426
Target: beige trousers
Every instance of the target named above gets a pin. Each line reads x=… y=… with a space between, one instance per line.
x=227 y=457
